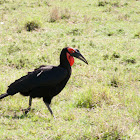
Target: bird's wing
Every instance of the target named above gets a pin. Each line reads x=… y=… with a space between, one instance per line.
x=50 y=76
x=43 y=76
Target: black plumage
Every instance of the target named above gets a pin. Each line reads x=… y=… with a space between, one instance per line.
x=45 y=81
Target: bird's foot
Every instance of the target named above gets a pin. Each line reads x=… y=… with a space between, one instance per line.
x=25 y=111
x=54 y=117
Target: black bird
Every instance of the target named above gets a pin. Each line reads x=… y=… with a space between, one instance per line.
x=46 y=81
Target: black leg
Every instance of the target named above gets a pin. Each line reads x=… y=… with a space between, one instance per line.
x=48 y=106
x=29 y=108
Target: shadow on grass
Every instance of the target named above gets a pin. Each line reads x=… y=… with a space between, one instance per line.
x=12 y=114
x=16 y=116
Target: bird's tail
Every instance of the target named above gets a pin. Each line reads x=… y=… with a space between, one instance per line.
x=3 y=95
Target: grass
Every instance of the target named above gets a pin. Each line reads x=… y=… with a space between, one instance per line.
x=102 y=99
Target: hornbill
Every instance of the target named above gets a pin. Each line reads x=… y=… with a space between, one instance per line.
x=46 y=81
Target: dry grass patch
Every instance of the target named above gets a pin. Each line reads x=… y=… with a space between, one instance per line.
x=56 y=14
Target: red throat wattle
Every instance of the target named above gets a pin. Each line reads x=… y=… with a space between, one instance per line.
x=70 y=59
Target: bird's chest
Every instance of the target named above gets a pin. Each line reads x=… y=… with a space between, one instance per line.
x=58 y=88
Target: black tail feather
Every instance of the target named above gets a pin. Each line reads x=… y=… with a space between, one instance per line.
x=3 y=95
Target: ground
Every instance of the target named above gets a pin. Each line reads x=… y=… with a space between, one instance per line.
x=102 y=99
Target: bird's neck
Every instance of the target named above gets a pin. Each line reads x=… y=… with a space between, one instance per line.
x=66 y=61
x=65 y=65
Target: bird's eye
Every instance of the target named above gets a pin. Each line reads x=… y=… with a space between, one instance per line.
x=77 y=50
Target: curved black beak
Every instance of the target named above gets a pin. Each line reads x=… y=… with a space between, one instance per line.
x=78 y=55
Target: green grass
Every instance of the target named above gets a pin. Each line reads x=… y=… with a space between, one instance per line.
x=102 y=99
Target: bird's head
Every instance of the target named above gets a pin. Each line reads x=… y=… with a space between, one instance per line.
x=72 y=52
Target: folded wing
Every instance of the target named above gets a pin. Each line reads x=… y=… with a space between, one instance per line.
x=43 y=76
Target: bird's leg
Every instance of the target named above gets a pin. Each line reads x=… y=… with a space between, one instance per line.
x=48 y=106
x=29 y=108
